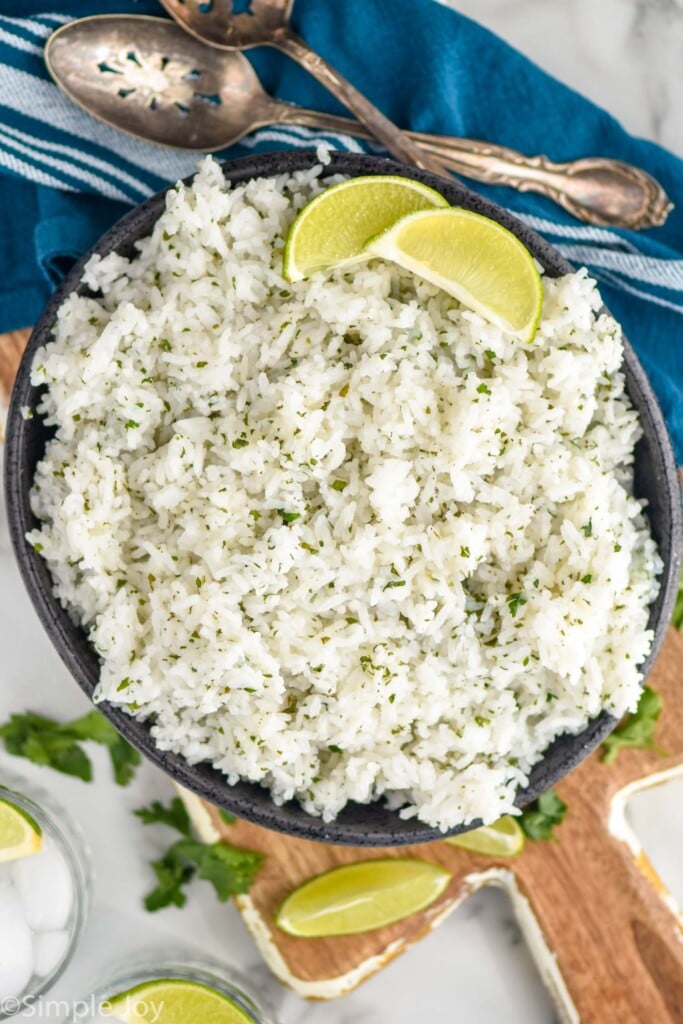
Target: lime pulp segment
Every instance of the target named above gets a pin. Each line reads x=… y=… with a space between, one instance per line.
x=474 y=259
x=504 y=838
x=175 y=1001
x=360 y=897
x=20 y=835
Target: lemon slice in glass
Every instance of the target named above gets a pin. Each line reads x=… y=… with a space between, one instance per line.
x=20 y=835
x=334 y=228
x=360 y=897
x=174 y=1001
x=504 y=838
x=474 y=259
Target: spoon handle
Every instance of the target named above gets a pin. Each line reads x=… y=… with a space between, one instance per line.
x=376 y=124
x=597 y=190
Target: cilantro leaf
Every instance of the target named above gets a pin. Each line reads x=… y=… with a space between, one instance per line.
x=677 y=617
x=57 y=745
x=124 y=759
x=638 y=729
x=172 y=876
x=97 y=728
x=175 y=815
x=230 y=869
x=543 y=815
x=226 y=817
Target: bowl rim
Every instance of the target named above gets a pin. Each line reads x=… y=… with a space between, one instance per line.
x=358 y=824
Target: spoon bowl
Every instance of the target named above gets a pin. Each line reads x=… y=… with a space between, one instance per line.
x=217 y=24
x=158 y=83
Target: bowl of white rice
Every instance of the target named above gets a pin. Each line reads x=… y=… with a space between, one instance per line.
x=339 y=556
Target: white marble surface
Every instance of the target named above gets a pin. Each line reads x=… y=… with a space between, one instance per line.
x=626 y=55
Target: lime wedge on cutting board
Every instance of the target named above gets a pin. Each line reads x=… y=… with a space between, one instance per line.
x=20 y=835
x=359 y=897
x=175 y=1001
x=474 y=259
x=504 y=838
x=334 y=228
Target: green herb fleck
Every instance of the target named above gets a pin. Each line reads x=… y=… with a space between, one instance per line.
x=339 y=485
x=288 y=517
x=588 y=528
x=483 y=389
x=514 y=601
x=240 y=442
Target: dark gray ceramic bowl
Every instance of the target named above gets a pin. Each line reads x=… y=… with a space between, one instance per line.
x=361 y=825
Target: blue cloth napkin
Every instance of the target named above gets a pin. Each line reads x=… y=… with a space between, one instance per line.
x=65 y=177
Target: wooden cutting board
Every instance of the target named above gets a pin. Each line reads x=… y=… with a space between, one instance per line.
x=604 y=931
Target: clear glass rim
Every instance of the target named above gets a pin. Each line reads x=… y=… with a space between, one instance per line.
x=184 y=965
x=60 y=826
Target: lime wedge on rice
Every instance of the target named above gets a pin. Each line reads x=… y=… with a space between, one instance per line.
x=333 y=228
x=360 y=897
x=504 y=838
x=20 y=835
x=474 y=259
x=174 y=1001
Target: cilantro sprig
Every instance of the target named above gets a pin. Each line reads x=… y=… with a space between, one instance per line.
x=230 y=869
x=58 y=745
x=637 y=730
x=541 y=818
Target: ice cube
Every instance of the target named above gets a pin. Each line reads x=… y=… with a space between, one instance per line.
x=16 y=945
x=45 y=887
x=49 y=949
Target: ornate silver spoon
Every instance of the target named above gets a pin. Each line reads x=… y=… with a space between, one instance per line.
x=149 y=78
x=267 y=24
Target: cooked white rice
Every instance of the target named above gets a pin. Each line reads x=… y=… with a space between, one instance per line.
x=343 y=538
